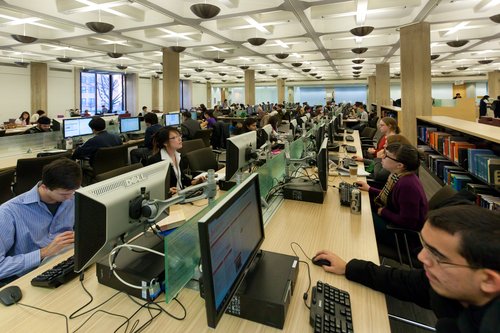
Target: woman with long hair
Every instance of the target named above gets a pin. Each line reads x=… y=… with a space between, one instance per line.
x=388 y=126
x=24 y=119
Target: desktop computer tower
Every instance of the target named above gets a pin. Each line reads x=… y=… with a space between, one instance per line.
x=265 y=293
x=309 y=191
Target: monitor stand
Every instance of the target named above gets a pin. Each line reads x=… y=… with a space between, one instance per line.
x=265 y=293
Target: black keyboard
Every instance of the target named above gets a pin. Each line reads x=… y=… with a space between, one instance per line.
x=351 y=149
x=330 y=310
x=349 y=138
x=57 y=275
x=349 y=130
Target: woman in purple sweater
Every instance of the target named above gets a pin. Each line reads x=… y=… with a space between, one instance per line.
x=402 y=201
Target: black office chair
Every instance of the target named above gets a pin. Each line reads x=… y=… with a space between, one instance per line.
x=117 y=172
x=202 y=160
x=106 y=159
x=220 y=135
x=190 y=145
x=204 y=135
x=6 y=180
x=29 y=171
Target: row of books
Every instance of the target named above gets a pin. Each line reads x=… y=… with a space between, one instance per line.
x=473 y=157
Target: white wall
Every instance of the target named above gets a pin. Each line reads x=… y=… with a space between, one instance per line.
x=15 y=95
x=60 y=93
x=442 y=90
x=395 y=91
x=199 y=95
x=145 y=93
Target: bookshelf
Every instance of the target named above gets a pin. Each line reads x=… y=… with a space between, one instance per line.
x=463 y=154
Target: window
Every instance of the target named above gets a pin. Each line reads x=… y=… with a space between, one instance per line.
x=102 y=92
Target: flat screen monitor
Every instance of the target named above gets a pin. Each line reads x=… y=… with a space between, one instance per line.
x=132 y=124
x=230 y=235
x=172 y=119
x=102 y=217
x=238 y=151
x=76 y=127
x=331 y=129
x=320 y=135
x=323 y=164
x=293 y=126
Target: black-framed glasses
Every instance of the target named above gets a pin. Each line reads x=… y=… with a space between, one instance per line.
x=391 y=158
x=438 y=257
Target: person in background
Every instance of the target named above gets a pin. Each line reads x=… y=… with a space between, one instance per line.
x=210 y=120
x=101 y=139
x=152 y=126
x=42 y=125
x=460 y=279
x=495 y=106
x=144 y=111
x=483 y=106
x=39 y=223
x=189 y=126
x=402 y=201
x=36 y=115
x=86 y=113
x=388 y=126
x=24 y=119
x=217 y=112
x=249 y=125
x=457 y=95
x=225 y=105
x=166 y=143
x=363 y=118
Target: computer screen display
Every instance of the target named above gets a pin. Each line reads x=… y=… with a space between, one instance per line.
x=76 y=127
x=323 y=164
x=230 y=235
x=102 y=216
x=172 y=119
x=238 y=149
x=293 y=126
x=320 y=135
x=131 y=124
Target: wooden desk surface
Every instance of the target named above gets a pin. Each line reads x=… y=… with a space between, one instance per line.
x=313 y=226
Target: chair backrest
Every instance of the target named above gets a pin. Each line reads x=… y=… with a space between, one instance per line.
x=190 y=145
x=204 y=135
x=440 y=196
x=6 y=179
x=202 y=160
x=116 y=172
x=220 y=135
x=29 y=171
x=368 y=132
x=110 y=158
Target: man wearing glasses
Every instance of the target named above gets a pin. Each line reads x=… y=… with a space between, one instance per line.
x=460 y=281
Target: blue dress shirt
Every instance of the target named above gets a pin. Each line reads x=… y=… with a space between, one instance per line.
x=26 y=226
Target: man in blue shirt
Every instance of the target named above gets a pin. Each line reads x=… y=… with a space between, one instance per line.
x=39 y=223
x=152 y=126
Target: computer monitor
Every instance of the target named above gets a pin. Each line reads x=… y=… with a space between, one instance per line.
x=323 y=164
x=238 y=152
x=172 y=119
x=320 y=135
x=76 y=127
x=132 y=124
x=293 y=126
x=102 y=216
x=230 y=235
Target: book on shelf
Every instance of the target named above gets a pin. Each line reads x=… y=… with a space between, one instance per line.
x=482 y=165
x=457 y=145
x=439 y=167
x=459 y=181
x=493 y=167
x=489 y=201
x=447 y=169
x=455 y=172
x=451 y=143
x=471 y=158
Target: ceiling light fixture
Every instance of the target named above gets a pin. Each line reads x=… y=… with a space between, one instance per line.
x=199 y=70
x=462 y=68
x=358 y=61
x=256 y=41
x=207 y=78
x=495 y=18
x=219 y=60
x=281 y=55
x=115 y=55
x=261 y=72
x=313 y=74
x=457 y=43
x=64 y=59
x=445 y=73
x=318 y=77
x=434 y=56
x=239 y=77
x=485 y=61
x=296 y=64
x=274 y=75
x=397 y=74
x=362 y=31
x=100 y=27
x=359 y=50
x=21 y=63
x=177 y=48
x=357 y=67
x=356 y=72
x=205 y=10
x=24 y=39
x=159 y=72
x=187 y=75
x=245 y=67
x=122 y=67
x=306 y=70
x=222 y=74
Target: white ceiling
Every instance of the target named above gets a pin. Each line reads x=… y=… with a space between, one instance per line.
x=315 y=33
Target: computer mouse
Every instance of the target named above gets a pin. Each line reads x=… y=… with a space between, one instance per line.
x=320 y=262
x=10 y=295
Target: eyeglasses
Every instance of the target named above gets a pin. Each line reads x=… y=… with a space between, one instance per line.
x=439 y=258
x=387 y=156
x=175 y=137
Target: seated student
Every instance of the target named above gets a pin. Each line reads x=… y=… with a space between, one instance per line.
x=166 y=143
x=460 y=281
x=388 y=126
x=42 y=125
x=39 y=223
x=189 y=126
x=102 y=138
x=210 y=120
x=249 y=125
x=24 y=119
x=36 y=115
x=402 y=201
x=363 y=118
x=152 y=126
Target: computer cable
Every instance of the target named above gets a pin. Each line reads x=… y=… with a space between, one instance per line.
x=306 y=293
x=164 y=310
x=147 y=323
x=47 y=311
x=105 y=312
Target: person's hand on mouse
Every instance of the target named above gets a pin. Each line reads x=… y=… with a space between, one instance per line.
x=337 y=264
x=363 y=186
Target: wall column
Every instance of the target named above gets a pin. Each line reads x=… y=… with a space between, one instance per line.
x=383 y=86
x=280 y=83
x=250 y=87
x=132 y=102
x=493 y=84
x=222 y=95
x=155 y=90
x=171 y=81
x=39 y=84
x=77 y=86
x=291 y=94
x=209 y=95
x=372 y=91
x=416 y=84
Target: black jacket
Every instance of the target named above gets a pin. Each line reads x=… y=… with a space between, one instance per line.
x=100 y=140
x=189 y=128
x=148 y=135
x=413 y=286
x=185 y=180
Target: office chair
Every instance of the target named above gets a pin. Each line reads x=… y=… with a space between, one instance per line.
x=190 y=145
x=204 y=135
x=29 y=171
x=202 y=160
x=367 y=134
x=116 y=172
x=220 y=135
x=106 y=159
x=6 y=180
